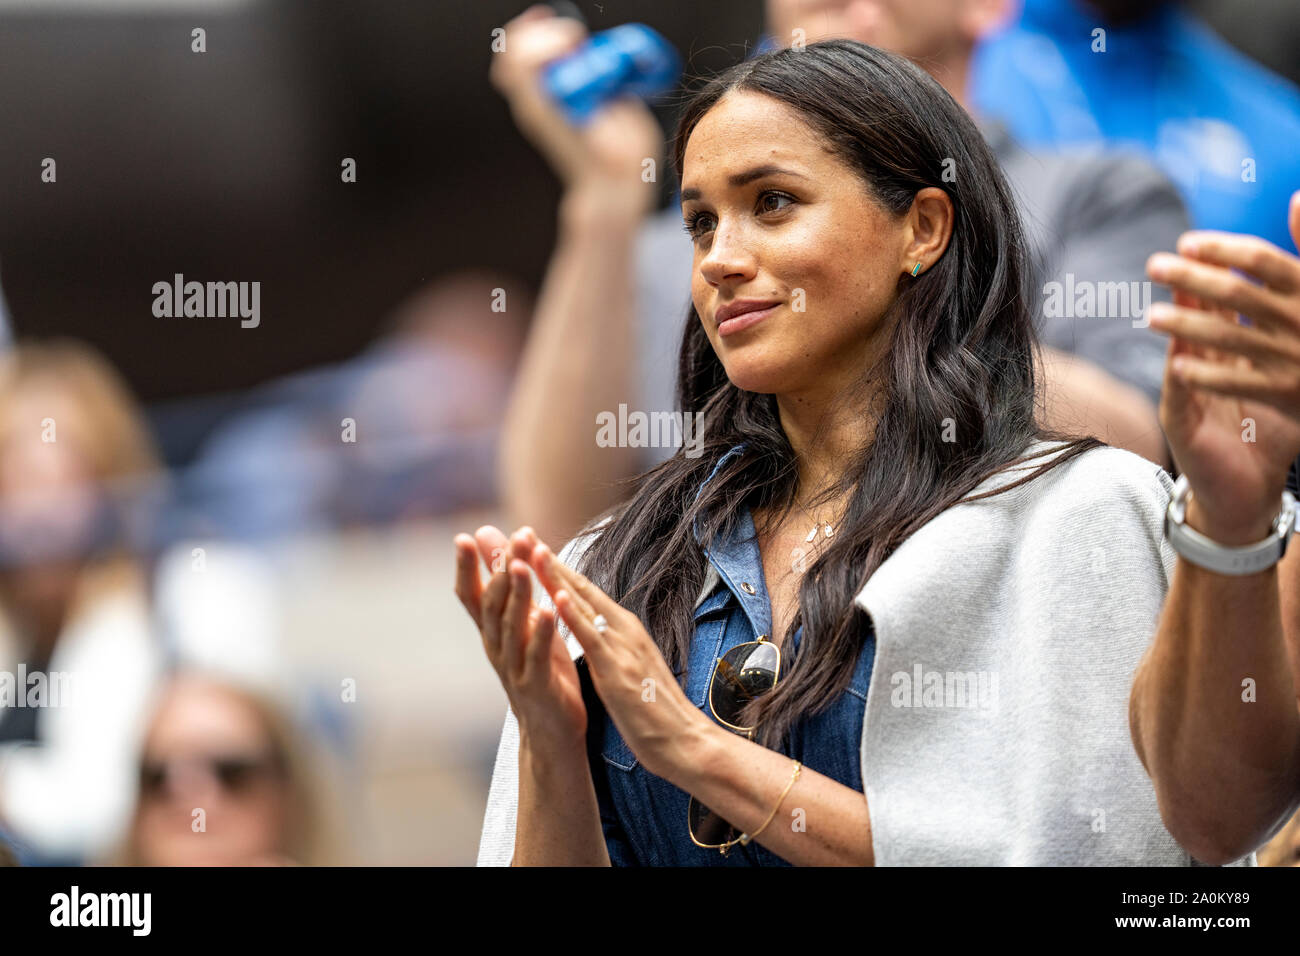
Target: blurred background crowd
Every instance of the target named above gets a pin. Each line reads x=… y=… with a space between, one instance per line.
x=230 y=549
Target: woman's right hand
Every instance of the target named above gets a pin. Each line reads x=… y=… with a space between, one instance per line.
x=602 y=161
x=531 y=660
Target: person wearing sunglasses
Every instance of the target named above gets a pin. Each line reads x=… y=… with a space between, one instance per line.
x=222 y=782
x=883 y=617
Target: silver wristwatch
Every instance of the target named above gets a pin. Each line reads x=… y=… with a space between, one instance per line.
x=1209 y=554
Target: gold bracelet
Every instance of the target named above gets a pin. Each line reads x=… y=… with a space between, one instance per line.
x=746 y=837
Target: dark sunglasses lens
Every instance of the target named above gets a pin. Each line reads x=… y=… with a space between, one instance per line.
x=236 y=774
x=233 y=774
x=745 y=672
x=153 y=777
x=709 y=828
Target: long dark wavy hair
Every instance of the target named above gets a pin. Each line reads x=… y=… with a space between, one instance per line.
x=962 y=349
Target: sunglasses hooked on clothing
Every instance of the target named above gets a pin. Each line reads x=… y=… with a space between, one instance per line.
x=744 y=673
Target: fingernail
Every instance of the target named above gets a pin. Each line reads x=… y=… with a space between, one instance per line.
x=1160 y=311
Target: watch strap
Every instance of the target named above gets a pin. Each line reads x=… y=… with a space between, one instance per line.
x=1207 y=553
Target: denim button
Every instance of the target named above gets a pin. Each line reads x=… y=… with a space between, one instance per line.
x=748 y=588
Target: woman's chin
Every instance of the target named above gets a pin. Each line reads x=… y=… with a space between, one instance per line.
x=754 y=377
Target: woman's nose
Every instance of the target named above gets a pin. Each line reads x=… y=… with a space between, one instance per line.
x=730 y=256
x=189 y=782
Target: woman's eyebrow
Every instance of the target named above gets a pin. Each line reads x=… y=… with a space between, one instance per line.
x=736 y=180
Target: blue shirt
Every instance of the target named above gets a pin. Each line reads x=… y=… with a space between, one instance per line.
x=644 y=816
x=1221 y=126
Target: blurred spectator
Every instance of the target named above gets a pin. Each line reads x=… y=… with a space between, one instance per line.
x=1223 y=127
x=1232 y=363
x=224 y=780
x=432 y=398
x=408 y=428
x=74 y=614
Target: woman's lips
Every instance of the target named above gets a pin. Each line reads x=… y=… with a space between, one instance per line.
x=745 y=320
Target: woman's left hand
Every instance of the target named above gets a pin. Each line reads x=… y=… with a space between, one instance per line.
x=643 y=698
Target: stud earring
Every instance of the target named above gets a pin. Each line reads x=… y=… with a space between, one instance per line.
x=916 y=268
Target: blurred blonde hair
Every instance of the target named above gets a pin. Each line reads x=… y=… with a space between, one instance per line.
x=116 y=442
x=119 y=449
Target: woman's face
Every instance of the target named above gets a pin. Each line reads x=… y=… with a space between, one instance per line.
x=49 y=499
x=209 y=793
x=782 y=220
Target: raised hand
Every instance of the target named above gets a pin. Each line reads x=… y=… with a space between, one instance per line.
x=602 y=161
x=635 y=683
x=532 y=663
x=1231 y=401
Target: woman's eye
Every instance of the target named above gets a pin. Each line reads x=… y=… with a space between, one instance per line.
x=694 y=225
x=700 y=223
x=763 y=201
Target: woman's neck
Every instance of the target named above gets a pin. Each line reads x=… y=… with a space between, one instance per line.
x=825 y=432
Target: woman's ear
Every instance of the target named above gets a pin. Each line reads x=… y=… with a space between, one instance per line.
x=928 y=229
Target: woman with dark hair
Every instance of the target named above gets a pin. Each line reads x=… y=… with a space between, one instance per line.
x=878 y=577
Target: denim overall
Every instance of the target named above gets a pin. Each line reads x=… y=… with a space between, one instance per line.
x=644 y=816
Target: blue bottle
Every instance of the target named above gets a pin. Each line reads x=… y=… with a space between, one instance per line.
x=631 y=59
